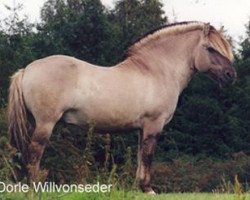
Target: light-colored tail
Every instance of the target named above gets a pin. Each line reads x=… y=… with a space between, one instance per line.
x=17 y=116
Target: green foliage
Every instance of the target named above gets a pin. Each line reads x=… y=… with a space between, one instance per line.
x=88 y=159
x=187 y=174
x=7 y=166
x=239 y=193
x=15 y=48
x=133 y=18
x=77 y=28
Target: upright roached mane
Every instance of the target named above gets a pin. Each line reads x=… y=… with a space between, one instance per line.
x=139 y=93
x=215 y=37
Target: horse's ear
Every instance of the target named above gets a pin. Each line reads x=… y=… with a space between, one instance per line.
x=206 y=29
x=221 y=29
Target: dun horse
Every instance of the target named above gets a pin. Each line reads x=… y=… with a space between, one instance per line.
x=139 y=93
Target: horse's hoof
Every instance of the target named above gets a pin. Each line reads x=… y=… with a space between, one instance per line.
x=151 y=192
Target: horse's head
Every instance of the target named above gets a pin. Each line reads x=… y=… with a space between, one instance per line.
x=214 y=57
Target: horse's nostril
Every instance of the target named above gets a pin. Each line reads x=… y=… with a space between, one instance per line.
x=229 y=75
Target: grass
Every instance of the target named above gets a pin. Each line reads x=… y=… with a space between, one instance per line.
x=121 y=195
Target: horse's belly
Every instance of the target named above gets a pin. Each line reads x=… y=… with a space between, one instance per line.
x=103 y=120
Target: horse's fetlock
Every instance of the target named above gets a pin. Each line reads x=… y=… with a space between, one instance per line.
x=145 y=187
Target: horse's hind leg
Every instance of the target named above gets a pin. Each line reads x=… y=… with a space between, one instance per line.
x=39 y=140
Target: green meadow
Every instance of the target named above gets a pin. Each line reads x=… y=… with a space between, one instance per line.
x=121 y=195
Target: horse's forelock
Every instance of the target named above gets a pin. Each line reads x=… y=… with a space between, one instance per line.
x=219 y=42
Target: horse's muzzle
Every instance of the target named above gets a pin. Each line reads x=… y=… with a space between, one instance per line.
x=228 y=77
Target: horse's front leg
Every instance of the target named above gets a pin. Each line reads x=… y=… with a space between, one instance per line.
x=147 y=144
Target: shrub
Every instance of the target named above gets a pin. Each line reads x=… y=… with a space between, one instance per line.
x=206 y=175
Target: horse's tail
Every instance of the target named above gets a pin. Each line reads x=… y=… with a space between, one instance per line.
x=18 y=123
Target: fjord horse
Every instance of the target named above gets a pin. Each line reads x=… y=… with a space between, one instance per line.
x=139 y=93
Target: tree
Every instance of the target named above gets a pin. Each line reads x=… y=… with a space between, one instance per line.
x=133 y=18
x=77 y=28
x=15 y=47
x=245 y=44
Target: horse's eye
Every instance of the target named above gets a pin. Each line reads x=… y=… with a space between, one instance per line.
x=211 y=49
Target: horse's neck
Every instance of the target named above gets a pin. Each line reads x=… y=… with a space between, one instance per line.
x=169 y=60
